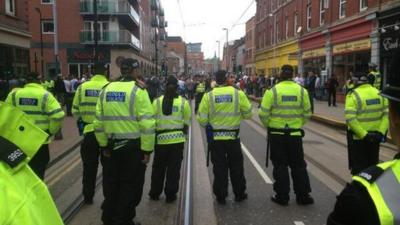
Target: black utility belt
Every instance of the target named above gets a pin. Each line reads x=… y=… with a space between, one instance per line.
x=285 y=131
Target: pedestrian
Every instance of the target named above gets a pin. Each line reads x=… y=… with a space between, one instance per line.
x=69 y=94
x=24 y=198
x=367 y=123
x=349 y=86
x=223 y=108
x=124 y=128
x=374 y=76
x=43 y=108
x=173 y=116
x=310 y=85
x=284 y=111
x=332 y=85
x=200 y=90
x=84 y=109
x=372 y=198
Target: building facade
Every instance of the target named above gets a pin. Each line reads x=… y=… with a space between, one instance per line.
x=124 y=30
x=14 y=38
x=195 y=62
x=249 y=46
x=175 y=55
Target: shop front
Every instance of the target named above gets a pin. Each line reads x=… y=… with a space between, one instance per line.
x=79 y=60
x=314 y=60
x=280 y=55
x=260 y=63
x=389 y=38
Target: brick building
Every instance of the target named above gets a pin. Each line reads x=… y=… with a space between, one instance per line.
x=175 y=55
x=195 y=58
x=326 y=36
x=125 y=30
x=14 y=38
x=249 y=46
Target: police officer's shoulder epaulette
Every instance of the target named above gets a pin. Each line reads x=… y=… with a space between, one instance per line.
x=371 y=174
x=141 y=84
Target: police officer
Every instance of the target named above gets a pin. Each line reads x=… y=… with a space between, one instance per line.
x=373 y=196
x=223 y=109
x=200 y=90
x=24 y=197
x=43 y=108
x=374 y=76
x=84 y=108
x=173 y=117
x=284 y=110
x=124 y=127
x=367 y=122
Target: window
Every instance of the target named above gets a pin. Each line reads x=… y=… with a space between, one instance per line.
x=47 y=1
x=295 y=24
x=309 y=16
x=10 y=7
x=48 y=27
x=286 y=27
x=321 y=12
x=363 y=5
x=342 y=8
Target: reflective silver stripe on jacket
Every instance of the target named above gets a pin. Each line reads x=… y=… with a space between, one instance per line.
x=87 y=104
x=359 y=101
x=44 y=101
x=275 y=95
x=370 y=119
x=223 y=127
x=87 y=113
x=54 y=111
x=14 y=98
x=132 y=101
x=41 y=121
x=389 y=188
x=287 y=115
x=169 y=126
x=133 y=135
x=116 y=118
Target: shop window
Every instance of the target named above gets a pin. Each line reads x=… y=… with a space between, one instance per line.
x=309 y=16
x=10 y=7
x=295 y=24
x=342 y=8
x=286 y=27
x=48 y=27
x=321 y=12
x=363 y=5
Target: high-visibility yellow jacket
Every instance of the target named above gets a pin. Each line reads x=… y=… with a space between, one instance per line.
x=169 y=129
x=201 y=87
x=40 y=105
x=384 y=190
x=24 y=198
x=286 y=105
x=85 y=99
x=366 y=110
x=124 y=111
x=378 y=79
x=223 y=108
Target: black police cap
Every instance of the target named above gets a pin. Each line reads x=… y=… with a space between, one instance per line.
x=220 y=76
x=391 y=88
x=129 y=63
x=287 y=69
x=171 y=80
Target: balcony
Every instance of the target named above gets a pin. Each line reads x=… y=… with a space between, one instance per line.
x=120 y=8
x=120 y=37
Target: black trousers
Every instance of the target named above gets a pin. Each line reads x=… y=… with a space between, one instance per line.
x=227 y=158
x=287 y=151
x=90 y=159
x=167 y=163
x=39 y=161
x=198 y=98
x=362 y=154
x=123 y=179
x=311 y=95
x=332 y=97
x=69 y=97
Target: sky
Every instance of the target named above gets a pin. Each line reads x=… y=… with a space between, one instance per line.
x=205 y=19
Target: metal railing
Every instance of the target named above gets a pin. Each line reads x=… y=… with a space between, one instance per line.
x=111 y=37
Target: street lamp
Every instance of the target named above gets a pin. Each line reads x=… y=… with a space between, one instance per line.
x=227 y=49
x=219 y=43
x=41 y=40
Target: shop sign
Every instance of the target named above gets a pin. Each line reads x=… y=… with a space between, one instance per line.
x=80 y=55
x=390 y=43
x=352 y=46
x=314 y=53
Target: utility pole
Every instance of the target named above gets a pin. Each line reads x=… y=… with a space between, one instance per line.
x=219 y=43
x=41 y=41
x=55 y=37
x=227 y=49
x=96 y=33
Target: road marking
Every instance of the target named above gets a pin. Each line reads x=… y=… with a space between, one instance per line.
x=298 y=223
x=58 y=177
x=256 y=165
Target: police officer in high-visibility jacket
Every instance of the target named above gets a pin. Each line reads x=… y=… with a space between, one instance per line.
x=173 y=115
x=367 y=120
x=373 y=196
x=24 y=197
x=223 y=109
x=200 y=90
x=374 y=76
x=43 y=108
x=284 y=110
x=125 y=129
x=84 y=108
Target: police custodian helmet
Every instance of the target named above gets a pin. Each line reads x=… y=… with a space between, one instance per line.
x=128 y=64
x=391 y=88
